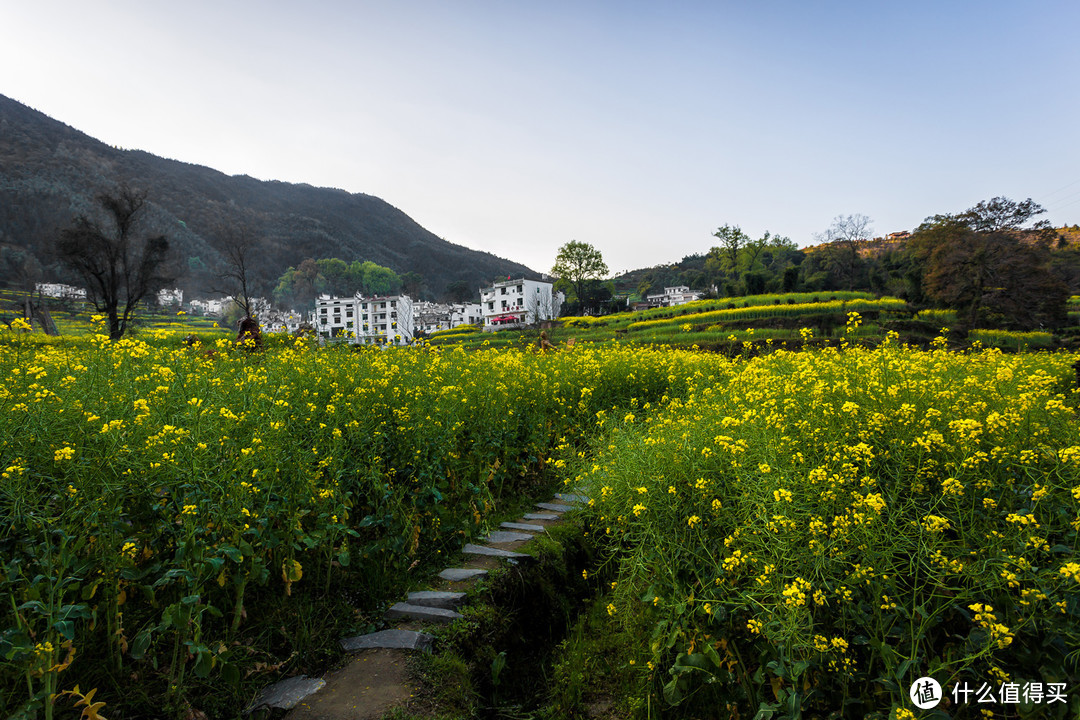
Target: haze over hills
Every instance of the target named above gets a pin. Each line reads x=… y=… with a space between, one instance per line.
x=50 y=173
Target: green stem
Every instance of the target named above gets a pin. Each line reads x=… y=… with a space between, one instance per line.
x=238 y=606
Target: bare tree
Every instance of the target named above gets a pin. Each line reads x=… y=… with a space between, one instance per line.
x=542 y=304
x=238 y=241
x=845 y=236
x=118 y=269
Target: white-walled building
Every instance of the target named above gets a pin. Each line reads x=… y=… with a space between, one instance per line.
x=677 y=295
x=284 y=321
x=170 y=297
x=365 y=321
x=516 y=303
x=59 y=290
x=210 y=307
x=466 y=314
x=429 y=317
x=260 y=307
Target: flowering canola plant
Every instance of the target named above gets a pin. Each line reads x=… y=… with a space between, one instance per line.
x=160 y=503
x=824 y=527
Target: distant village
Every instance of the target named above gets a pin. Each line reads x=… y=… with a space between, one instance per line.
x=394 y=319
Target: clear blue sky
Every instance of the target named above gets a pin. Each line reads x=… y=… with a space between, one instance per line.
x=638 y=127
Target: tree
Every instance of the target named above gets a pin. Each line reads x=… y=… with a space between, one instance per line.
x=984 y=263
x=460 y=291
x=237 y=242
x=379 y=280
x=725 y=256
x=578 y=263
x=542 y=305
x=1001 y=213
x=296 y=286
x=844 y=238
x=337 y=277
x=118 y=269
x=412 y=283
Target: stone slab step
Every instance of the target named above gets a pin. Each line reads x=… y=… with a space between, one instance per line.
x=554 y=507
x=522 y=526
x=540 y=516
x=471 y=549
x=397 y=639
x=502 y=536
x=436 y=598
x=406 y=611
x=572 y=498
x=284 y=695
x=459 y=574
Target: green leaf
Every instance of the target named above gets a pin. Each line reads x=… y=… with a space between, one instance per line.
x=141 y=643
x=230 y=673
x=65 y=628
x=672 y=692
x=766 y=711
x=204 y=660
x=35 y=605
x=712 y=655
x=82 y=610
x=233 y=553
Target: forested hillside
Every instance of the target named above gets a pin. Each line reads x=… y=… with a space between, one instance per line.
x=50 y=173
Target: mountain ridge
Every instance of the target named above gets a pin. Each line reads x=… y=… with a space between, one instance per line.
x=50 y=172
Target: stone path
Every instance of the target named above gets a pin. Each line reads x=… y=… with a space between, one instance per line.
x=375 y=680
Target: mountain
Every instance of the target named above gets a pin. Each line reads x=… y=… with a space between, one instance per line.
x=50 y=173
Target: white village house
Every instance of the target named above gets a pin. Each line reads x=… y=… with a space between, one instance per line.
x=170 y=297
x=429 y=317
x=365 y=321
x=517 y=303
x=676 y=295
x=260 y=307
x=209 y=307
x=285 y=321
x=59 y=290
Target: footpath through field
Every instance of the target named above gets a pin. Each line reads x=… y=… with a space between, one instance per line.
x=376 y=679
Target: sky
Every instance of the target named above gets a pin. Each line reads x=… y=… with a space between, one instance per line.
x=637 y=127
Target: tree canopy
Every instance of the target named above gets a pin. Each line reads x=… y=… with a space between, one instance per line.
x=741 y=264
x=299 y=285
x=981 y=264
x=579 y=264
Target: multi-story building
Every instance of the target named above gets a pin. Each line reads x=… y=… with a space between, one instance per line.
x=677 y=295
x=516 y=303
x=429 y=317
x=466 y=314
x=365 y=321
x=59 y=290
